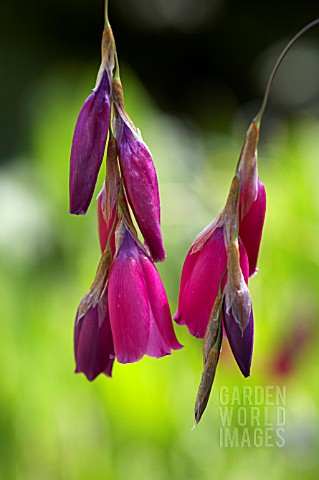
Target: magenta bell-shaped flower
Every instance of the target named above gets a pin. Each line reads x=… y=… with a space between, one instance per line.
x=217 y=266
x=139 y=311
x=88 y=146
x=93 y=343
x=201 y=276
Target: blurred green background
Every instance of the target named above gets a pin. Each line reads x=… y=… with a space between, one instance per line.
x=57 y=425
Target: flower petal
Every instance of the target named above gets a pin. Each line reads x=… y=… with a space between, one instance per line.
x=162 y=333
x=157 y=346
x=251 y=227
x=128 y=304
x=190 y=261
x=202 y=285
x=88 y=146
x=243 y=259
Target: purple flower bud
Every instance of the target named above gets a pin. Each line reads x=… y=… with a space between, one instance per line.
x=93 y=343
x=240 y=343
x=240 y=339
x=251 y=227
x=88 y=146
x=201 y=277
x=139 y=312
x=141 y=185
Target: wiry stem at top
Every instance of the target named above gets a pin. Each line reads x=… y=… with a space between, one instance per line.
x=310 y=25
x=106 y=14
x=117 y=67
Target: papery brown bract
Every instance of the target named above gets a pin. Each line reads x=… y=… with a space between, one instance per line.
x=201 y=276
x=211 y=350
x=252 y=201
x=236 y=293
x=106 y=229
x=248 y=170
x=238 y=314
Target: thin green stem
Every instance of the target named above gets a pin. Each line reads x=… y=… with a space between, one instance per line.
x=310 y=25
x=106 y=14
x=117 y=66
x=108 y=243
x=108 y=26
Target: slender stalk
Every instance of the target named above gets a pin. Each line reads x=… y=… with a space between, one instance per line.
x=117 y=66
x=307 y=27
x=106 y=14
x=108 y=26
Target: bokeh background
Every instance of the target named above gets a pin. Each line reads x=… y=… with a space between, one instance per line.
x=193 y=75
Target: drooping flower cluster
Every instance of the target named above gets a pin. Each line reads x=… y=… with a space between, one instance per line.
x=125 y=315
x=137 y=167
x=213 y=293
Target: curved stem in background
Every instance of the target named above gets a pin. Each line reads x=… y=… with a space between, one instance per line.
x=307 y=27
